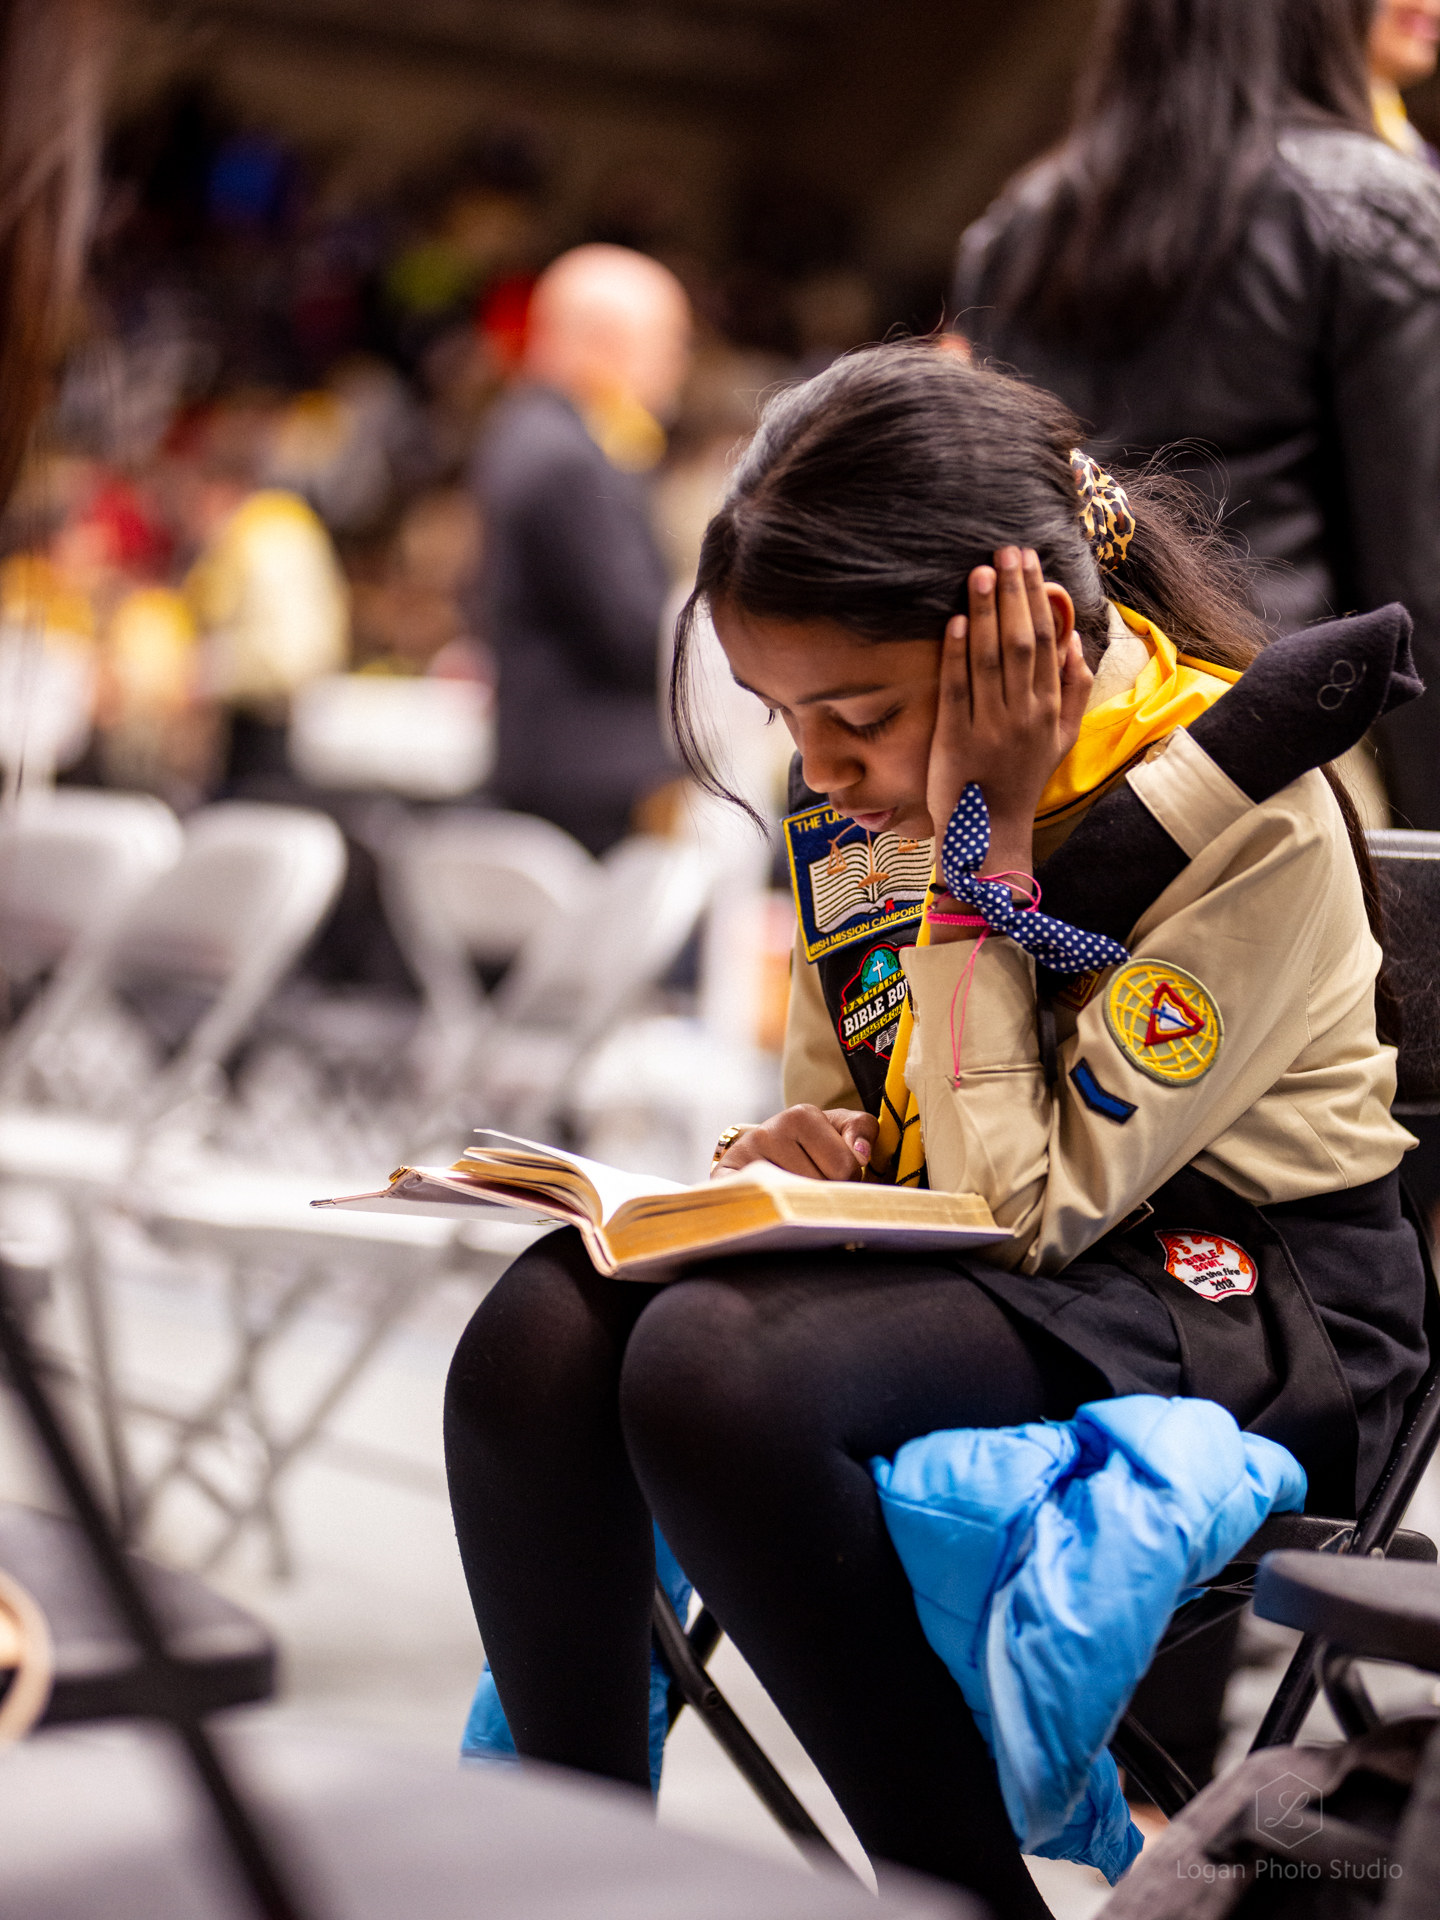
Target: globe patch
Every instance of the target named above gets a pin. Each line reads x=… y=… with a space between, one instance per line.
x=1209 y=1264
x=1164 y=1021
x=870 y=1003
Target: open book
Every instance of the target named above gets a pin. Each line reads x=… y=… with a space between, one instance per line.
x=643 y=1228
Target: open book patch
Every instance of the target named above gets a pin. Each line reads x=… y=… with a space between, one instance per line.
x=849 y=882
x=1210 y=1265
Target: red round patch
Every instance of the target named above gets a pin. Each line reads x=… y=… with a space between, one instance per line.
x=1210 y=1265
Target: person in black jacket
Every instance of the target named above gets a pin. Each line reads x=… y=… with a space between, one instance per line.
x=1225 y=266
x=573 y=584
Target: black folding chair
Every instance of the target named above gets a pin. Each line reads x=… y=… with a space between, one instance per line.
x=1408 y=868
x=130 y=1639
x=1288 y=1824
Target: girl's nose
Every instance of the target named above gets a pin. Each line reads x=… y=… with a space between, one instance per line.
x=828 y=766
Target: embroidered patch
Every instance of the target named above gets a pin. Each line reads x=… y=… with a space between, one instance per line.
x=1096 y=1097
x=1213 y=1267
x=849 y=883
x=870 y=1003
x=1164 y=1021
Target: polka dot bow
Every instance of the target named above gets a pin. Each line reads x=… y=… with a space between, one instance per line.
x=1063 y=949
x=1104 y=511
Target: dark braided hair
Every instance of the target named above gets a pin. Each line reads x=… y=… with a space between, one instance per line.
x=869 y=493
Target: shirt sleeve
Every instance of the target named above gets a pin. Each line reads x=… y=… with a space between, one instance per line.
x=813 y=1071
x=1247 y=920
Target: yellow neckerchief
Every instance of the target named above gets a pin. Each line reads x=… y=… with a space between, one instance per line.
x=1170 y=691
x=1392 y=122
x=629 y=435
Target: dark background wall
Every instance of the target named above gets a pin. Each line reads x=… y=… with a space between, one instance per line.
x=892 y=125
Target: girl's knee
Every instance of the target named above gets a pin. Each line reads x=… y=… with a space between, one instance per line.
x=534 y=1332
x=699 y=1373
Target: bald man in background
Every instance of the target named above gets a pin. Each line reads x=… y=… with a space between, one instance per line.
x=573 y=583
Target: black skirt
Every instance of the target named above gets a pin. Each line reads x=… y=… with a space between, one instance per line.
x=1306 y=1320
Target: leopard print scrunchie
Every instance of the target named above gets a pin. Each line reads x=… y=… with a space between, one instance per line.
x=1104 y=511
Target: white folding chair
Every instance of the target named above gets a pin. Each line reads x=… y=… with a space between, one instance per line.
x=125 y=1047
x=282 y=1257
x=587 y=965
x=140 y=1019
x=70 y=859
x=463 y=892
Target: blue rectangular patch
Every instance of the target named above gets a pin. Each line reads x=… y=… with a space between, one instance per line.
x=849 y=883
x=1097 y=1098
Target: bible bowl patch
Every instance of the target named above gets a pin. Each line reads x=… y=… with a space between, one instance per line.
x=870 y=1005
x=1210 y=1265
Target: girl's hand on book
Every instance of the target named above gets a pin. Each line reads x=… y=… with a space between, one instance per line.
x=1013 y=687
x=830 y=1145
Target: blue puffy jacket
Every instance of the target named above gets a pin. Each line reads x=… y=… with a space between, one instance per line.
x=1046 y=1561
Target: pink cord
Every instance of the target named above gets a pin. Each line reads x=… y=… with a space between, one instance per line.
x=956 y=1038
x=1032 y=887
x=1027 y=881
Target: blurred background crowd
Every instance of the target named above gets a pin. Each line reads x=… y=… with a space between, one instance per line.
x=412 y=353
x=246 y=559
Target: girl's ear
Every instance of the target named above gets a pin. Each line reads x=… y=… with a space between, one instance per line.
x=1062 y=612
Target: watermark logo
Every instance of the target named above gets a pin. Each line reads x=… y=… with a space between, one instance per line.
x=1289 y=1810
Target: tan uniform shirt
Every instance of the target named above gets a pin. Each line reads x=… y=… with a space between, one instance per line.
x=1269 y=917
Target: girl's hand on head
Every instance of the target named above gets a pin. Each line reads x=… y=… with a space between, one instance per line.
x=830 y=1145
x=1013 y=687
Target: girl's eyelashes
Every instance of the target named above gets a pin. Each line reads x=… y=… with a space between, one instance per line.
x=872 y=728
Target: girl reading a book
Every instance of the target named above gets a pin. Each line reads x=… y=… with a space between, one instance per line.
x=1135 y=1011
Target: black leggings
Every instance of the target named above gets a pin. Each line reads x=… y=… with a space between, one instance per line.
x=741 y=1410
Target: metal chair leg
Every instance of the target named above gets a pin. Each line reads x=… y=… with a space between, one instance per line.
x=703 y=1636
x=1146 y=1763
x=701 y=1693
x=101 y=1358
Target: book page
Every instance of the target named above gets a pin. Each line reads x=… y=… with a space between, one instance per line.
x=611 y=1186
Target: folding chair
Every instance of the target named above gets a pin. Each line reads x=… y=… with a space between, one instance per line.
x=129 y=1639
x=282 y=1257
x=1296 y=1820
x=585 y=966
x=463 y=892
x=1408 y=867
x=130 y=1037
x=181 y=971
x=70 y=859
x=310 y=1825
